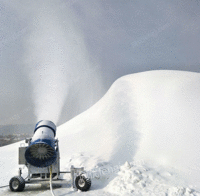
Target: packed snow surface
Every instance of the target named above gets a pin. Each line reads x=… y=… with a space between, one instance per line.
x=141 y=138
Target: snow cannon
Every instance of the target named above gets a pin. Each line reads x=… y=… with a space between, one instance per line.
x=41 y=151
x=40 y=154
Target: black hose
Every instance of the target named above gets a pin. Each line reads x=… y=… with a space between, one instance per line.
x=3 y=186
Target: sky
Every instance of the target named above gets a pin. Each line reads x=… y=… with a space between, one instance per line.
x=70 y=52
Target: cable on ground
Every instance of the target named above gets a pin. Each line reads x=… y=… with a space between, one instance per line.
x=51 y=181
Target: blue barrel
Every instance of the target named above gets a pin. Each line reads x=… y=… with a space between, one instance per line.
x=42 y=149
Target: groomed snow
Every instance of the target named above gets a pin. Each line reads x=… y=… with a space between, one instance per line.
x=150 y=120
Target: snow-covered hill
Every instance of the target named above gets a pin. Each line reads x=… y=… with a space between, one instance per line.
x=149 y=119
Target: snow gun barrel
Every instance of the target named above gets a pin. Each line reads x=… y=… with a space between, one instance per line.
x=41 y=151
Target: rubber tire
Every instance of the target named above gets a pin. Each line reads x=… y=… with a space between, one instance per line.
x=20 y=181
x=87 y=182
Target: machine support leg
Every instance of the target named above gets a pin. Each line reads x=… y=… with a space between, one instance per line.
x=29 y=175
x=72 y=176
x=20 y=171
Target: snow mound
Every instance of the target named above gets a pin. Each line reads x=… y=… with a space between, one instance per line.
x=141 y=180
x=150 y=116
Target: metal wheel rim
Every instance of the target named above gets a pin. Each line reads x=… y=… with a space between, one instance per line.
x=81 y=182
x=15 y=184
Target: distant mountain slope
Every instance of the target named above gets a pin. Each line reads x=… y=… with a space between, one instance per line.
x=16 y=129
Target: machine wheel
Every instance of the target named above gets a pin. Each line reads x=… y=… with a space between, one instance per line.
x=17 y=184
x=82 y=183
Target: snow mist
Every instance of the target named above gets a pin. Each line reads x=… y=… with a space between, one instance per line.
x=55 y=56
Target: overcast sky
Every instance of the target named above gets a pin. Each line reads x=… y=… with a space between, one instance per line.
x=104 y=39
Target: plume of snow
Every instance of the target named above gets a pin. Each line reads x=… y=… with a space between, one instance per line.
x=56 y=57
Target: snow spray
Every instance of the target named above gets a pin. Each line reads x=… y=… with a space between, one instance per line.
x=56 y=56
x=46 y=53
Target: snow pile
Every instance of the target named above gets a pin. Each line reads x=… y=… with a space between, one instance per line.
x=142 y=180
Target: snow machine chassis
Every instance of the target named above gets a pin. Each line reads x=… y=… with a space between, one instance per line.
x=39 y=175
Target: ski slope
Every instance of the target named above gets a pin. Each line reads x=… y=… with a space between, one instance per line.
x=141 y=138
